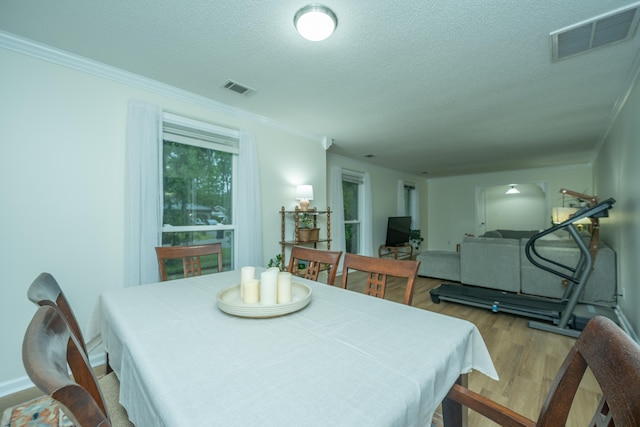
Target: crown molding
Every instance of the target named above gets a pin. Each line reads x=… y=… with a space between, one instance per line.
x=43 y=52
x=628 y=85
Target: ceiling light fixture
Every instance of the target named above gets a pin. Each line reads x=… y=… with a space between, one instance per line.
x=315 y=22
x=513 y=190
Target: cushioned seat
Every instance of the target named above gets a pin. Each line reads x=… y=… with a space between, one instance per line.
x=440 y=265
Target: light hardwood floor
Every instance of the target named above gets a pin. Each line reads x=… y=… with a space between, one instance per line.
x=526 y=359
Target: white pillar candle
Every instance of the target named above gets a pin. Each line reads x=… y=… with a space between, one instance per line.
x=284 y=288
x=269 y=287
x=251 y=291
x=246 y=273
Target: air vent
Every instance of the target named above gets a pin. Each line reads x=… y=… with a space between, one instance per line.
x=238 y=88
x=600 y=31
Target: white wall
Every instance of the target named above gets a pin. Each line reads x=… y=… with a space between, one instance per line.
x=62 y=135
x=617 y=174
x=384 y=188
x=452 y=201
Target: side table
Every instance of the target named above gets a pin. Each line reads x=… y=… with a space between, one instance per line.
x=396 y=252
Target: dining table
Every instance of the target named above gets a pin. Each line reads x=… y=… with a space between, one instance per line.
x=342 y=359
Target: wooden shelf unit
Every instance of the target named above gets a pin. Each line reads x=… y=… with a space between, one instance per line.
x=296 y=214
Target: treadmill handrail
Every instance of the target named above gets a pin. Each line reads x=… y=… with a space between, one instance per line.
x=598 y=211
x=530 y=247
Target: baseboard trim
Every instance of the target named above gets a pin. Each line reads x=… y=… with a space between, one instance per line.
x=24 y=383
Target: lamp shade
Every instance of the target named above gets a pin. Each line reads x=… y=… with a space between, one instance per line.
x=304 y=192
x=315 y=22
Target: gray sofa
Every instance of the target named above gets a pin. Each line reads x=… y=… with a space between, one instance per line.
x=497 y=260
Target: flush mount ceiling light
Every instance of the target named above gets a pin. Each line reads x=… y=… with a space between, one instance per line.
x=513 y=190
x=315 y=22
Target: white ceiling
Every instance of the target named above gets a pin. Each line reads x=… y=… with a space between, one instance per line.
x=428 y=87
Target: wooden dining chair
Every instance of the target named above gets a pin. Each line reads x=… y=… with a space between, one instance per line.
x=378 y=269
x=612 y=357
x=49 y=346
x=316 y=261
x=190 y=255
x=45 y=290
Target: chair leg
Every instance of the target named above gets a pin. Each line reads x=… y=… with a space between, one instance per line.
x=453 y=414
x=108 y=367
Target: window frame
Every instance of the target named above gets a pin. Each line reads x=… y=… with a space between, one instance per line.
x=199 y=134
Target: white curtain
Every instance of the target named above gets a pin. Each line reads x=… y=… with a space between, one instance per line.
x=143 y=182
x=401 y=204
x=338 y=242
x=415 y=208
x=367 y=218
x=249 y=206
x=414 y=204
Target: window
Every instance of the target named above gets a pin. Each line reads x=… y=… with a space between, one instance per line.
x=198 y=169
x=410 y=202
x=352 y=194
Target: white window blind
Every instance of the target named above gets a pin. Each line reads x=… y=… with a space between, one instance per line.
x=194 y=132
x=353 y=177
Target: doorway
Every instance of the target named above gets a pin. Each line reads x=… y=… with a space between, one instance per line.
x=526 y=210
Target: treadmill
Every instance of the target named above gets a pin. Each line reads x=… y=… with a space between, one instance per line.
x=565 y=316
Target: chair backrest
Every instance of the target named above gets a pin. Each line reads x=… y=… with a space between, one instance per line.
x=614 y=359
x=190 y=255
x=377 y=270
x=316 y=260
x=48 y=346
x=45 y=291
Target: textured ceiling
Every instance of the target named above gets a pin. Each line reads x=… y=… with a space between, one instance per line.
x=435 y=86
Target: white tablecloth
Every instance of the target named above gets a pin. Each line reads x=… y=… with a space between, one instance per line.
x=347 y=359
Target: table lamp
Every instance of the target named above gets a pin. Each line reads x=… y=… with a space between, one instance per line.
x=304 y=193
x=561 y=214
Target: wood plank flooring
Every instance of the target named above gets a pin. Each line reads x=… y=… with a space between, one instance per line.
x=526 y=359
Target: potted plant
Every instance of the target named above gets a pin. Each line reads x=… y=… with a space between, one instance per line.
x=276 y=261
x=306 y=230
x=415 y=239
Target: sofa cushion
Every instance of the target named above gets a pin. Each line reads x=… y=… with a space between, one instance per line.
x=518 y=234
x=491 y=263
x=510 y=234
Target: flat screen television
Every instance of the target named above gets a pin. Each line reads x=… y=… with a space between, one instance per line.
x=398 y=230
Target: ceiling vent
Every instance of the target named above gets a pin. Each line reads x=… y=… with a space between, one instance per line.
x=238 y=88
x=600 y=31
